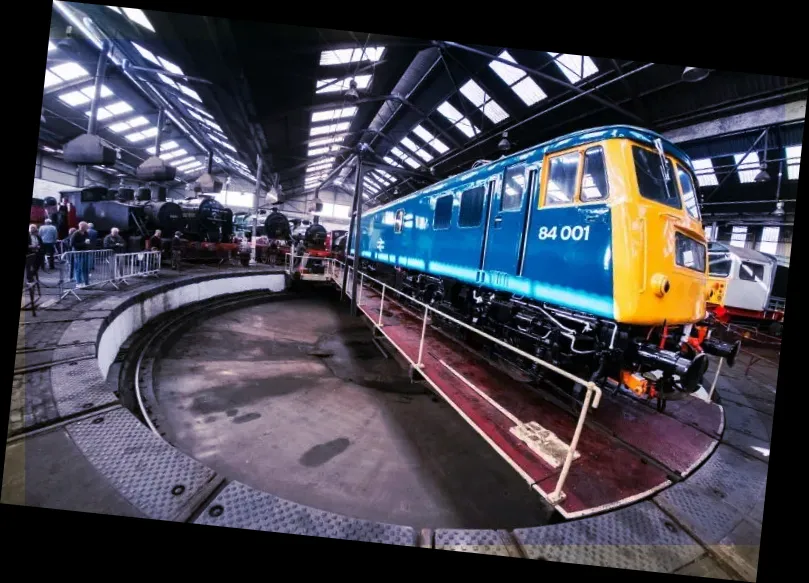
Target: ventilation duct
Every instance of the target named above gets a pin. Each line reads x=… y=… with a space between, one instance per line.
x=208 y=183
x=89 y=150
x=155 y=169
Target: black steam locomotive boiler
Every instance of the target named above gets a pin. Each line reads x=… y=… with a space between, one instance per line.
x=138 y=215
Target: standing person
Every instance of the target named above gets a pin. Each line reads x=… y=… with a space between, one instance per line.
x=79 y=243
x=48 y=235
x=116 y=243
x=67 y=247
x=176 y=250
x=62 y=220
x=155 y=242
x=35 y=245
x=92 y=235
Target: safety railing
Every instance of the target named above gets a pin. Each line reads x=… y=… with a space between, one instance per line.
x=99 y=267
x=293 y=263
x=592 y=396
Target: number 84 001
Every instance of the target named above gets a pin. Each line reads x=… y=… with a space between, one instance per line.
x=565 y=233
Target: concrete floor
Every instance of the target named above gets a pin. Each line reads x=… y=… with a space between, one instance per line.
x=292 y=398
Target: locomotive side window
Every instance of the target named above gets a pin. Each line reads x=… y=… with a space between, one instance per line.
x=594 y=182
x=689 y=253
x=689 y=193
x=751 y=271
x=513 y=189
x=652 y=182
x=471 y=213
x=443 y=212
x=398 y=222
x=562 y=176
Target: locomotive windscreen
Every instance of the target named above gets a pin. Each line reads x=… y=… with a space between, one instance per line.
x=276 y=226
x=779 y=285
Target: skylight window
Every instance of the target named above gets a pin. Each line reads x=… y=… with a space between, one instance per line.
x=705 y=172
x=333 y=114
x=329 y=129
x=115 y=9
x=190 y=92
x=333 y=85
x=172 y=155
x=458 y=120
x=391 y=161
x=146 y=53
x=575 y=67
x=490 y=108
x=137 y=15
x=184 y=161
x=379 y=179
x=51 y=79
x=519 y=82
x=69 y=71
x=131 y=124
x=346 y=56
x=222 y=142
x=190 y=165
x=793 y=162
x=51 y=46
x=386 y=175
x=431 y=140
x=405 y=158
x=748 y=166
x=738 y=237
x=410 y=145
x=327 y=141
x=109 y=111
x=196 y=108
x=136 y=137
x=769 y=240
x=76 y=98
x=165 y=147
x=167 y=80
x=170 y=67
x=323 y=150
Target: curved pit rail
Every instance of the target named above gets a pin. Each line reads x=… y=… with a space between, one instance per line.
x=686 y=529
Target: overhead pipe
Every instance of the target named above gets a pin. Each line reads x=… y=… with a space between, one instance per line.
x=101 y=68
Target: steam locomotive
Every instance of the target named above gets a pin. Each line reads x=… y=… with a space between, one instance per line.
x=201 y=219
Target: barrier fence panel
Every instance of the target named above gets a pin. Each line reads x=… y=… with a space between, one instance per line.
x=140 y=264
x=96 y=268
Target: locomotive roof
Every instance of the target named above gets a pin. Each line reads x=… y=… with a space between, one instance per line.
x=564 y=142
x=744 y=253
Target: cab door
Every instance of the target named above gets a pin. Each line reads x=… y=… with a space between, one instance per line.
x=505 y=232
x=569 y=252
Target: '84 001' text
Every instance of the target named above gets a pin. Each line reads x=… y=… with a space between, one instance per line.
x=565 y=233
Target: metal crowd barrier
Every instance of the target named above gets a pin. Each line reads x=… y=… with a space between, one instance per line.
x=99 y=267
x=592 y=397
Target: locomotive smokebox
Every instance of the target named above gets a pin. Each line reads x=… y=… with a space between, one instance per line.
x=276 y=226
x=155 y=169
x=89 y=150
x=167 y=216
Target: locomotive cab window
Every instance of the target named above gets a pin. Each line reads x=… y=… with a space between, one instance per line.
x=398 y=222
x=471 y=213
x=689 y=193
x=562 y=176
x=594 y=184
x=689 y=253
x=655 y=182
x=513 y=189
x=443 y=212
x=751 y=271
x=719 y=261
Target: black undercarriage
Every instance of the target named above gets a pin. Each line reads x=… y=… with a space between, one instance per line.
x=587 y=346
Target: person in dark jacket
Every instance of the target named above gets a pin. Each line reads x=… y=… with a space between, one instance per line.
x=79 y=242
x=92 y=235
x=156 y=241
x=176 y=250
x=35 y=246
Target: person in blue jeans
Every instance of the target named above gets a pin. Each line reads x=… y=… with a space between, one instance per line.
x=79 y=242
x=48 y=234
